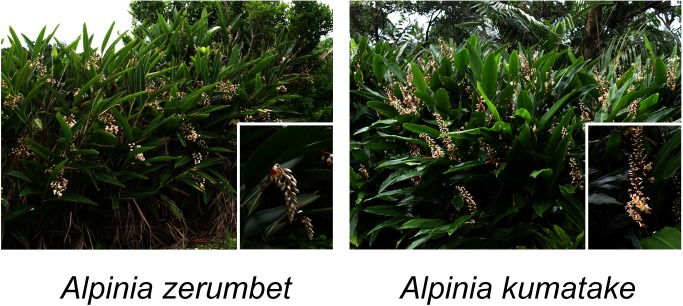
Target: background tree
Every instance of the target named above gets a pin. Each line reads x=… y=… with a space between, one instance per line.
x=611 y=29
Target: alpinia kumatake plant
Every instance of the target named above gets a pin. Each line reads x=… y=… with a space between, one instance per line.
x=499 y=129
x=634 y=187
x=132 y=146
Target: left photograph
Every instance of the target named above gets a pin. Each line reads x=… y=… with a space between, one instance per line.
x=122 y=133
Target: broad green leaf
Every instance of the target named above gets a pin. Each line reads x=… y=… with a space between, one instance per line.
x=524 y=114
x=660 y=72
x=383 y=108
x=601 y=198
x=461 y=60
x=648 y=103
x=442 y=102
x=545 y=119
x=457 y=224
x=379 y=68
x=418 y=78
x=513 y=64
x=563 y=235
x=422 y=129
x=422 y=223
x=490 y=75
x=666 y=238
x=545 y=173
x=385 y=210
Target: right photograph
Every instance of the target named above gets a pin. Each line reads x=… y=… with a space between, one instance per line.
x=468 y=120
x=634 y=186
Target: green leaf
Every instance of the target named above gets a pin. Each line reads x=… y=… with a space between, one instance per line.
x=492 y=108
x=464 y=166
x=668 y=160
x=442 y=102
x=601 y=198
x=424 y=96
x=541 y=206
x=123 y=122
x=666 y=238
x=545 y=173
x=647 y=103
x=660 y=72
x=524 y=114
x=613 y=147
x=457 y=224
x=648 y=46
x=379 y=68
x=513 y=64
x=66 y=130
x=18 y=175
x=490 y=74
x=474 y=60
x=76 y=198
x=408 y=160
x=106 y=37
x=545 y=119
x=460 y=60
x=258 y=222
x=55 y=171
x=383 y=108
x=385 y=210
x=422 y=223
x=418 y=78
x=566 y=241
x=108 y=178
x=422 y=129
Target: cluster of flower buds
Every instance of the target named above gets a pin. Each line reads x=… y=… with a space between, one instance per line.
x=327 y=158
x=637 y=176
x=197 y=156
x=228 y=89
x=471 y=205
x=110 y=123
x=71 y=120
x=676 y=208
x=140 y=156
x=59 y=184
x=190 y=133
x=285 y=181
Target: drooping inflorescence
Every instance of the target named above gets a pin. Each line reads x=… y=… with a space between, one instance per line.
x=285 y=181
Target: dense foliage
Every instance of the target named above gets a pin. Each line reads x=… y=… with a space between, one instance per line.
x=475 y=146
x=634 y=187
x=286 y=187
x=134 y=147
x=264 y=24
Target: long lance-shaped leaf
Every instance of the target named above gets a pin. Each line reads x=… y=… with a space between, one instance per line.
x=492 y=108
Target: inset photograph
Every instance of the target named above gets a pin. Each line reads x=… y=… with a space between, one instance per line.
x=125 y=136
x=285 y=174
x=634 y=186
x=467 y=117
